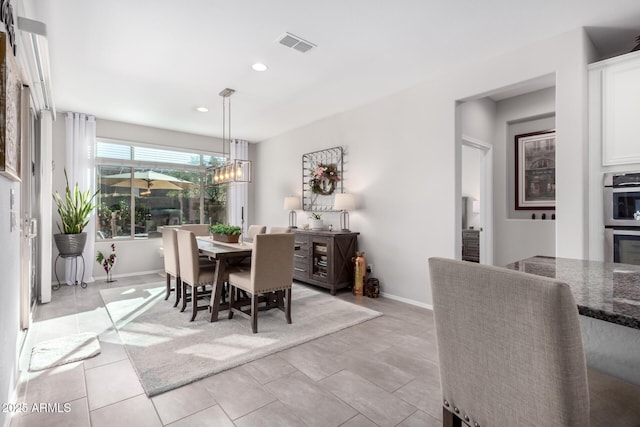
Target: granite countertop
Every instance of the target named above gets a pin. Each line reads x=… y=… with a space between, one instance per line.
x=602 y=290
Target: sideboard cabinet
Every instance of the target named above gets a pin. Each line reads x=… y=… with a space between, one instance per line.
x=325 y=258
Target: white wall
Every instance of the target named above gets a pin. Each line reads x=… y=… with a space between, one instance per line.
x=402 y=162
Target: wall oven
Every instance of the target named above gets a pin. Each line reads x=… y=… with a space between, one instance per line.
x=622 y=217
x=622 y=245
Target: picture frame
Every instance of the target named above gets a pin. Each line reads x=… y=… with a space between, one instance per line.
x=10 y=90
x=535 y=170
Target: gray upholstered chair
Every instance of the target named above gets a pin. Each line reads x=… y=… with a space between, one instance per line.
x=254 y=230
x=193 y=272
x=271 y=272
x=171 y=263
x=197 y=229
x=278 y=230
x=511 y=353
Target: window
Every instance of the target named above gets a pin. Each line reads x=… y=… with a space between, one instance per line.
x=143 y=188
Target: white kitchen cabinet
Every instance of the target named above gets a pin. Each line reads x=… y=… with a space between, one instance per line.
x=614 y=108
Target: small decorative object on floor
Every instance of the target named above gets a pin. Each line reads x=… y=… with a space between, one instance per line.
x=372 y=288
x=360 y=269
x=107 y=262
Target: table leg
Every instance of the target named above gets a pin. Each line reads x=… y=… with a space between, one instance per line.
x=216 y=292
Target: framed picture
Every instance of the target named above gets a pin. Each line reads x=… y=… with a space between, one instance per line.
x=10 y=89
x=535 y=170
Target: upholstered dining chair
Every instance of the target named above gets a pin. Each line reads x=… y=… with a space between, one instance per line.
x=197 y=229
x=271 y=272
x=276 y=230
x=254 y=230
x=511 y=353
x=193 y=272
x=171 y=263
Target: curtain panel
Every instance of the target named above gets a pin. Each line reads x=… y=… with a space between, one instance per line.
x=80 y=142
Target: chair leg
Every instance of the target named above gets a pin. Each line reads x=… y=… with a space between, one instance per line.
x=166 y=297
x=178 y=291
x=232 y=300
x=254 y=313
x=184 y=297
x=194 y=303
x=449 y=419
x=288 y=305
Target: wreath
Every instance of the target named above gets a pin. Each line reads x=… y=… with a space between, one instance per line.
x=323 y=179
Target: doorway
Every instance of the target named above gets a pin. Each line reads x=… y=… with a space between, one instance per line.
x=476 y=188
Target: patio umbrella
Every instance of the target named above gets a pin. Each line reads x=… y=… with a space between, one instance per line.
x=149 y=180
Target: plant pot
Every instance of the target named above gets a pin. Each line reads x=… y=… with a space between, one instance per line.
x=316 y=224
x=70 y=244
x=227 y=238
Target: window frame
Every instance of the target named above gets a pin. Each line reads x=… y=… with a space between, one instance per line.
x=133 y=164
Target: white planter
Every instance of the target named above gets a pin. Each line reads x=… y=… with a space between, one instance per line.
x=316 y=224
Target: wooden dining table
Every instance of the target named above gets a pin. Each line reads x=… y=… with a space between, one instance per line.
x=221 y=253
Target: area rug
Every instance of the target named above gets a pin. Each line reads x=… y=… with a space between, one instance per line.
x=59 y=351
x=168 y=351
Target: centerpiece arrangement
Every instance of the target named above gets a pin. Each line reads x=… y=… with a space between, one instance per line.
x=74 y=210
x=324 y=178
x=225 y=233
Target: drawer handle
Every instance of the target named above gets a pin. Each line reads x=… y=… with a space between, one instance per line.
x=299 y=256
x=299 y=269
x=297 y=242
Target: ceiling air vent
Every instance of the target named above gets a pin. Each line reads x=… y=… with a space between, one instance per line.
x=295 y=42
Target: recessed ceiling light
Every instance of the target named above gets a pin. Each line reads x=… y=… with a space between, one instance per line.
x=202 y=109
x=258 y=66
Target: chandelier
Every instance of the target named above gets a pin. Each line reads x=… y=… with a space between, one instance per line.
x=233 y=170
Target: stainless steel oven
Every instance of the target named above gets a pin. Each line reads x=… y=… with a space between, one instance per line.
x=622 y=199
x=622 y=217
x=622 y=245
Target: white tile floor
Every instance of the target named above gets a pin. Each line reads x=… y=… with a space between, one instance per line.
x=382 y=372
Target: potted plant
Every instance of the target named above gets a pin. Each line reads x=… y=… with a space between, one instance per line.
x=315 y=221
x=74 y=210
x=225 y=233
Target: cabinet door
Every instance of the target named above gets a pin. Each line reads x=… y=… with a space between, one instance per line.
x=620 y=111
x=321 y=259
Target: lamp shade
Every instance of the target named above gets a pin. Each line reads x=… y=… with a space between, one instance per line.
x=344 y=202
x=291 y=203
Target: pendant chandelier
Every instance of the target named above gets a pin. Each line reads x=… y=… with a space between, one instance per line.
x=233 y=170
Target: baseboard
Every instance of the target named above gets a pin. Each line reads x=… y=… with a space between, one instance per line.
x=407 y=301
x=136 y=273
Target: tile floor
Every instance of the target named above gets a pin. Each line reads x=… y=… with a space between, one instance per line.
x=383 y=372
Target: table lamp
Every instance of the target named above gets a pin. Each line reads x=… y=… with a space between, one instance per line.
x=291 y=203
x=344 y=202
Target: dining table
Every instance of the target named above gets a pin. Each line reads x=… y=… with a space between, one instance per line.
x=222 y=253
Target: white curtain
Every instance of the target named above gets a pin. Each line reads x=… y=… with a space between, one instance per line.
x=238 y=197
x=80 y=139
